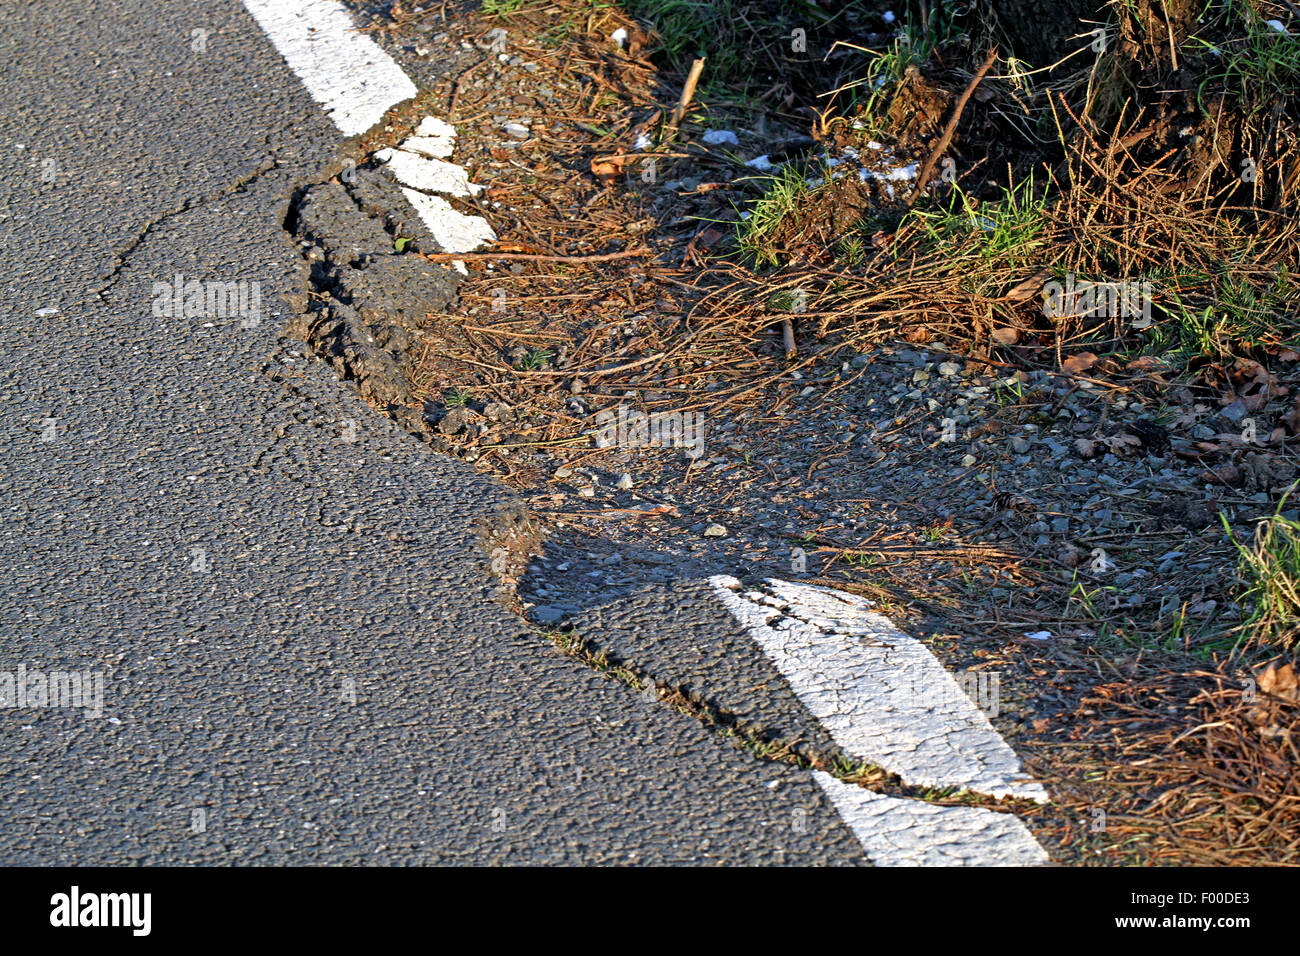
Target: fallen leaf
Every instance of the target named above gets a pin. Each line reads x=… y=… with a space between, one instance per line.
x=1225 y=474
x=1123 y=444
x=609 y=168
x=1292 y=419
x=1145 y=363
x=1005 y=336
x=1078 y=364
x=1280 y=682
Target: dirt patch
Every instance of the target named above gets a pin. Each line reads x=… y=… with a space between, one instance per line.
x=370 y=287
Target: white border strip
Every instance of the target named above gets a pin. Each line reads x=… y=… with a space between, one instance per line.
x=345 y=71
x=880 y=694
x=899 y=832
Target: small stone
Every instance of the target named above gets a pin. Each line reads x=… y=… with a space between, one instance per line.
x=720 y=137
x=1234 y=412
x=624 y=483
x=1019 y=445
x=456 y=420
x=715 y=530
x=1060 y=525
x=967 y=461
x=548 y=614
x=564 y=471
x=949 y=369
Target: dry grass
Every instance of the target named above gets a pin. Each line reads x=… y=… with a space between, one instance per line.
x=1188 y=768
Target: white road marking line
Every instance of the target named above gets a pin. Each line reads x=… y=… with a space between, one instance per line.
x=428 y=175
x=433 y=137
x=357 y=82
x=452 y=230
x=415 y=164
x=880 y=694
x=899 y=832
x=345 y=71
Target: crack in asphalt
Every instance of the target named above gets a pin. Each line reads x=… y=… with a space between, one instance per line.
x=190 y=203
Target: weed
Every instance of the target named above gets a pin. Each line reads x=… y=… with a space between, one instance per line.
x=536 y=359
x=788 y=192
x=1262 y=67
x=1271 y=566
x=1007 y=229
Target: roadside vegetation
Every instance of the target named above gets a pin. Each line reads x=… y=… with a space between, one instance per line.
x=1072 y=223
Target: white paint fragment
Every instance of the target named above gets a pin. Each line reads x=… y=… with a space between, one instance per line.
x=643 y=141
x=432 y=126
x=1277 y=25
x=428 y=175
x=720 y=137
x=345 y=71
x=427 y=146
x=761 y=163
x=880 y=694
x=618 y=36
x=888 y=16
x=895 y=831
x=433 y=137
x=452 y=230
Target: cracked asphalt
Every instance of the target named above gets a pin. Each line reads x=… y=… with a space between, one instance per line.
x=283 y=591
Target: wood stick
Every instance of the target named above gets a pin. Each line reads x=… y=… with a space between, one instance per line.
x=688 y=93
x=948 y=130
x=529 y=257
x=787 y=333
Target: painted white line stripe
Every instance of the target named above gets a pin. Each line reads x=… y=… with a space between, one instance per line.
x=427 y=175
x=415 y=164
x=880 y=694
x=452 y=230
x=900 y=832
x=433 y=137
x=345 y=71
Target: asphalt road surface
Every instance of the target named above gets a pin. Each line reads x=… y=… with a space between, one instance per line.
x=303 y=657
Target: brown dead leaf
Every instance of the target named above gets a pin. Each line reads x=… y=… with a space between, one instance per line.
x=1145 y=363
x=1027 y=288
x=1123 y=444
x=1292 y=419
x=1080 y=363
x=609 y=168
x=1225 y=474
x=1005 y=336
x=1281 y=682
